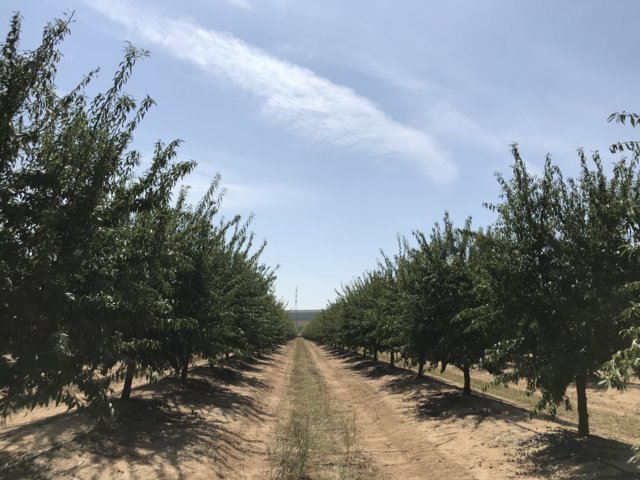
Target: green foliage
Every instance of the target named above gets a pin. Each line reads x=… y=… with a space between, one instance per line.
x=535 y=298
x=444 y=291
x=618 y=368
x=557 y=274
x=103 y=276
x=629 y=145
x=65 y=195
x=422 y=303
x=623 y=362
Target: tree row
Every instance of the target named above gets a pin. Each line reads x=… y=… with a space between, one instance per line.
x=105 y=276
x=546 y=295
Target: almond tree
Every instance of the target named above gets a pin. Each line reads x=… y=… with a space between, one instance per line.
x=617 y=369
x=98 y=271
x=557 y=275
x=65 y=168
x=459 y=336
x=147 y=263
x=415 y=304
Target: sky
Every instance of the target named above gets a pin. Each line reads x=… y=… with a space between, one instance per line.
x=342 y=125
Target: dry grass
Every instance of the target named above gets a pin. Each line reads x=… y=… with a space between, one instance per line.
x=316 y=440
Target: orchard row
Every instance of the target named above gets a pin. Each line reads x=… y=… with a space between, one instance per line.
x=546 y=295
x=103 y=275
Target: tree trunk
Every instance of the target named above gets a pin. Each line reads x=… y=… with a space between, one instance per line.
x=175 y=364
x=467 y=380
x=185 y=369
x=421 y=368
x=364 y=352
x=227 y=355
x=583 y=413
x=375 y=355
x=128 y=381
x=393 y=358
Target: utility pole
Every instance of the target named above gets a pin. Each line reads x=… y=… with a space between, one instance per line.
x=295 y=315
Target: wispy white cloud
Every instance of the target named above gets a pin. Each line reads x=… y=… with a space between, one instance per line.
x=394 y=76
x=448 y=121
x=243 y=4
x=242 y=194
x=310 y=105
x=246 y=196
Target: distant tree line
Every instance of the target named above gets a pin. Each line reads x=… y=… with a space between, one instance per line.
x=103 y=275
x=547 y=295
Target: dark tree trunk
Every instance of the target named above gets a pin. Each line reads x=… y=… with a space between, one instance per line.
x=185 y=369
x=583 y=413
x=421 y=368
x=227 y=355
x=443 y=366
x=364 y=352
x=375 y=355
x=128 y=381
x=174 y=362
x=467 y=379
x=393 y=358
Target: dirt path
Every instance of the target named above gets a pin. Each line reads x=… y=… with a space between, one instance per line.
x=421 y=428
x=258 y=432
x=394 y=446
x=224 y=423
x=218 y=425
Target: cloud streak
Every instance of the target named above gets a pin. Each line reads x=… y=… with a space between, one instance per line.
x=241 y=193
x=255 y=196
x=309 y=105
x=243 y=4
x=448 y=121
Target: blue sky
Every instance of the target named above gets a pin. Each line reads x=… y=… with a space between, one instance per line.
x=343 y=124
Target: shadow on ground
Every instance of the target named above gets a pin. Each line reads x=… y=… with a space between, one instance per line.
x=561 y=453
x=564 y=452
x=165 y=426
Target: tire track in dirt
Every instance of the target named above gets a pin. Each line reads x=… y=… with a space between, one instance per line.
x=394 y=445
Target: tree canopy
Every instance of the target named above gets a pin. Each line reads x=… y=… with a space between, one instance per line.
x=104 y=275
x=537 y=297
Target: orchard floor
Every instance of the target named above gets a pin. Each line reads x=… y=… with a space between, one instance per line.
x=223 y=423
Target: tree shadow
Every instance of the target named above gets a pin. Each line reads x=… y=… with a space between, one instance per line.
x=164 y=426
x=27 y=470
x=46 y=433
x=361 y=364
x=433 y=399
x=338 y=353
x=561 y=453
x=233 y=376
x=565 y=454
x=252 y=364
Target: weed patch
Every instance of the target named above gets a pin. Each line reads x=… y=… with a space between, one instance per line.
x=315 y=439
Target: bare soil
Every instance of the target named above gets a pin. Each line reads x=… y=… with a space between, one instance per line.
x=215 y=425
x=488 y=438
x=222 y=423
x=614 y=414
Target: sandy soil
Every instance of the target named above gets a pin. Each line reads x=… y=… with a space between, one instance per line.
x=217 y=425
x=613 y=414
x=612 y=401
x=221 y=423
x=485 y=438
x=384 y=433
